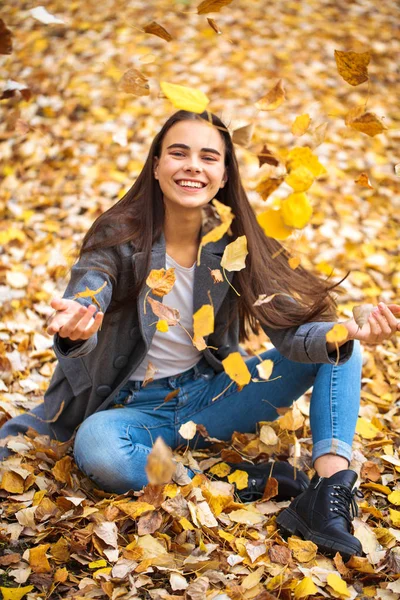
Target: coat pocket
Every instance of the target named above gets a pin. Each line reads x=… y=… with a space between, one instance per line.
x=76 y=372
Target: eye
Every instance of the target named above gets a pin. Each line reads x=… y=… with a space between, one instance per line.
x=210 y=158
x=177 y=153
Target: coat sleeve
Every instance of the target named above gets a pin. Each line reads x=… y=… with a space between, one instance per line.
x=307 y=343
x=92 y=271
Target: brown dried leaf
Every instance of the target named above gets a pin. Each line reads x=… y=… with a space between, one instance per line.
x=208 y=6
x=280 y=554
x=134 y=82
x=214 y=26
x=149 y=523
x=5 y=38
x=271 y=489
x=160 y=467
x=158 y=30
x=171 y=315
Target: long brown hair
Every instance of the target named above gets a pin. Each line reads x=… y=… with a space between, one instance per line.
x=141 y=212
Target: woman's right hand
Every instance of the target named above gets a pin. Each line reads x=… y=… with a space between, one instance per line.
x=74 y=321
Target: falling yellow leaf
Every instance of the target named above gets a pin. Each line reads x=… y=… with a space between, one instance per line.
x=302 y=550
x=368 y=123
x=160 y=467
x=337 y=334
x=394 y=498
x=268 y=185
x=188 y=430
x=305 y=588
x=185 y=98
x=236 y=368
x=134 y=82
x=273 y=99
x=208 y=6
x=151 y=370
x=319 y=134
x=338 y=585
x=352 y=66
x=220 y=470
x=240 y=478
x=234 y=257
x=158 y=30
x=366 y=429
x=363 y=181
x=162 y=325
x=304 y=157
x=10 y=593
x=296 y=210
x=301 y=124
x=87 y=293
x=294 y=262
x=300 y=179
x=203 y=321
x=265 y=368
x=273 y=225
x=161 y=281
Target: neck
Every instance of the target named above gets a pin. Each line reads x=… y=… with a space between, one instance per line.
x=182 y=230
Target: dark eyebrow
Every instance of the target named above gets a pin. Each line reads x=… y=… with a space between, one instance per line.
x=188 y=148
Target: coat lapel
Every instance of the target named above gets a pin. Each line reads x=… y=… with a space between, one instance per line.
x=204 y=285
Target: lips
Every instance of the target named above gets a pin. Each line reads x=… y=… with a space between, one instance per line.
x=194 y=187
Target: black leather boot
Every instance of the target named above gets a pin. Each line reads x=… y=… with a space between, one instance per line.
x=323 y=514
x=291 y=482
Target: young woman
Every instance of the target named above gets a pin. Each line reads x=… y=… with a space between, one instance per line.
x=103 y=355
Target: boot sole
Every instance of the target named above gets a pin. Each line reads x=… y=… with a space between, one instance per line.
x=292 y=524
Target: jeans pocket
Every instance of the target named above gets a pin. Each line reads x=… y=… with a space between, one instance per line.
x=124 y=397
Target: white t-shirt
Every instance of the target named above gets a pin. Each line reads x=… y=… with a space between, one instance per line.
x=172 y=352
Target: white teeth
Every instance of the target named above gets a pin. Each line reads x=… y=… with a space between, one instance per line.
x=190 y=184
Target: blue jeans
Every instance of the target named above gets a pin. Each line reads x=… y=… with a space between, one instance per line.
x=112 y=446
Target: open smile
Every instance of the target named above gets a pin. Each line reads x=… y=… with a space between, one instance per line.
x=190 y=185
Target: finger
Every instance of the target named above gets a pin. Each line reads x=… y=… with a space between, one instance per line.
x=386 y=330
x=95 y=326
x=394 y=308
x=374 y=325
x=69 y=327
x=84 y=321
x=391 y=319
x=58 y=304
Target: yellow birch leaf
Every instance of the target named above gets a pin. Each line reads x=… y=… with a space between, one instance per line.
x=242 y=136
x=224 y=212
x=296 y=210
x=352 y=66
x=292 y=419
x=273 y=225
x=61 y=575
x=213 y=236
x=134 y=82
x=338 y=334
x=268 y=185
x=394 y=498
x=199 y=343
x=161 y=281
x=10 y=593
x=151 y=370
x=241 y=478
x=160 y=467
x=300 y=179
x=186 y=524
x=236 y=368
x=366 y=429
x=338 y=585
x=97 y=564
x=133 y=509
x=305 y=588
x=208 y=6
x=87 y=293
x=203 y=321
x=301 y=124
x=162 y=325
x=294 y=262
x=158 y=30
x=377 y=487
x=38 y=560
x=234 y=257
x=302 y=550
x=220 y=470
x=12 y=482
x=253 y=579
x=395 y=517
x=103 y=571
x=302 y=156
x=363 y=181
x=185 y=98
x=268 y=435
x=368 y=123
x=265 y=369
x=226 y=536
x=246 y=517
x=274 y=98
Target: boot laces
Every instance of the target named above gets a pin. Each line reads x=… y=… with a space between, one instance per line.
x=345 y=503
x=252 y=492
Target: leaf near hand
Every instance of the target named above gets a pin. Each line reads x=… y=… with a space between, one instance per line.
x=361 y=313
x=337 y=334
x=87 y=293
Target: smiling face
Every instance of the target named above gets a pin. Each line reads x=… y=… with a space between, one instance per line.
x=191 y=168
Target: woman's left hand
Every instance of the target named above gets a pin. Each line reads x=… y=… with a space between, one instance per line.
x=382 y=325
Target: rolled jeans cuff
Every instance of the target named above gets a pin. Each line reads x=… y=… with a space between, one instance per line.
x=331 y=446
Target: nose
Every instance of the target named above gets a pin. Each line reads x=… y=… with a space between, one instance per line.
x=192 y=165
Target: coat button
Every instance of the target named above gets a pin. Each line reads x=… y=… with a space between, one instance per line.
x=120 y=362
x=104 y=390
x=134 y=331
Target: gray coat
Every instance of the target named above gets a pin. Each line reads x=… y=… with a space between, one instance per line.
x=88 y=375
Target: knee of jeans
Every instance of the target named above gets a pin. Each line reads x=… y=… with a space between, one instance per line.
x=89 y=445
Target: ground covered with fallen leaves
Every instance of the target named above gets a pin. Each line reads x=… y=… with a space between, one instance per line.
x=76 y=127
